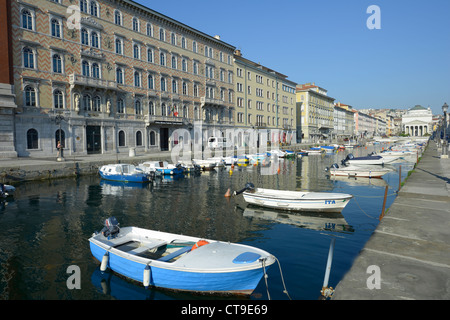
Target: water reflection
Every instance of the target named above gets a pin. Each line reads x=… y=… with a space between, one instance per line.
x=46 y=227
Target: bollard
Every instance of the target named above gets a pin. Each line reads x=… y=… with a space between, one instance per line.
x=384 y=203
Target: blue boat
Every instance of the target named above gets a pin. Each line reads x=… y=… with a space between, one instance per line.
x=179 y=262
x=123 y=172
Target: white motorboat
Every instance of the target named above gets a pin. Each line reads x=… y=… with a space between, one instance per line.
x=161 y=167
x=295 y=200
x=206 y=165
x=368 y=160
x=357 y=171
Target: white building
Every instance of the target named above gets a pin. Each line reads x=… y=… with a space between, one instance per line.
x=417 y=121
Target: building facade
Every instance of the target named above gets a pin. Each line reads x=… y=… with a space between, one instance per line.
x=316 y=112
x=417 y=121
x=104 y=76
x=344 y=123
x=265 y=102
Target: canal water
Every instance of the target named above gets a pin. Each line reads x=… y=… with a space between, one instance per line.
x=46 y=228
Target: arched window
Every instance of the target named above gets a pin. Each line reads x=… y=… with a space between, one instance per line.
x=185 y=90
x=149 y=30
x=185 y=112
x=118 y=46
x=119 y=75
x=57 y=63
x=136 y=53
x=96 y=105
x=152 y=138
x=30 y=96
x=94 y=8
x=162 y=35
x=163 y=84
x=151 y=84
x=83 y=6
x=95 y=71
x=121 y=138
x=151 y=108
x=56 y=28
x=135 y=24
x=137 y=79
x=85 y=69
x=27 y=20
x=138 y=107
x=120 y=106
x=138 y=138
x=174 y=62
x=117 y=17
x=61 y=138
x=174 y=86
x=87 y=101
x=184 y=65
x=32 y=139
x=150 y=55
x=28 y=58
x=94 y=39
x=58 y=99
x=163 y=110
x=162 y=59
x=84 y=37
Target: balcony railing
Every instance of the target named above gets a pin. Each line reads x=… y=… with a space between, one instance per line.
x=76 y=79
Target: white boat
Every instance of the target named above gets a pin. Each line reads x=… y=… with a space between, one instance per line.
x=386 y=156
x=357 y=171
x=277 y=153
x=206 y=165
x=368 y=160
x=179 y=262
x=6 y=190
x=162 y=167
x=295 y=200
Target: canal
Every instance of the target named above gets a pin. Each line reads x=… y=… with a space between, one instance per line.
x=46 y=227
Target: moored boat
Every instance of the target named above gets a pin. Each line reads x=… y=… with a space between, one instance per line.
x=357 y=171
x=162 y=167
x=124 y=172
x=295 y=200
x=368 y=160
x=6 y=190
x=179 y=262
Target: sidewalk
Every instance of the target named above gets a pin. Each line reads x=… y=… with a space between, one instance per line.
x=411 y=244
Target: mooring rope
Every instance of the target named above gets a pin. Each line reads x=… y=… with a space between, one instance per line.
x=266 y=276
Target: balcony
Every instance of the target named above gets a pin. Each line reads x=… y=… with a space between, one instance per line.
x=165 y=120
x=76 y=79
x=211 y=101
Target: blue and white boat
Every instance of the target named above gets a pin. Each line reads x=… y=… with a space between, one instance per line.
x=179 y=262
x=328 y=149
x=124 y=172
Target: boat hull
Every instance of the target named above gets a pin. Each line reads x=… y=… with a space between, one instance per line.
x=141 y=178
x=298 y=201
x=208 y=277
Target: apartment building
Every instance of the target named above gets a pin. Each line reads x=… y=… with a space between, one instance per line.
x=104 y=76
x=265 y=101
x=317 y=112
x=344 y=123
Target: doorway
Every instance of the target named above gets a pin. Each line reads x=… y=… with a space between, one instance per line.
x=93 y=139
x=164 y=139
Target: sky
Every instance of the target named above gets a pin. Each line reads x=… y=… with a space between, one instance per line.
x=405 y=62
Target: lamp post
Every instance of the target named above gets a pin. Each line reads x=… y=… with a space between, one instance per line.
x=58 y=119
x=444 y=143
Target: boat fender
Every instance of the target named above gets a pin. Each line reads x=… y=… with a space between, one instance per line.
x=199 y=244
x=104 y=263
x=146 y=281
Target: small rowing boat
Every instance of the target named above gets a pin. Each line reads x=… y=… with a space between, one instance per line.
x=295 y=200
x=357 y=171
x=179 y=262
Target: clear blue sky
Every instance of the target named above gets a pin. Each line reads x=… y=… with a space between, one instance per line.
x=406 y=62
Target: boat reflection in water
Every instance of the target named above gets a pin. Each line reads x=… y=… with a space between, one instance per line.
x=318 y=221
x=119 y=187
x=359 y=181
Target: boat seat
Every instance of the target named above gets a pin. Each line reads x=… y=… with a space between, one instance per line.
x=147 y=246
x=175 y=254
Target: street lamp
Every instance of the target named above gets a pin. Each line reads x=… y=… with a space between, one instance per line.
x=444 y=143
x=58 y=119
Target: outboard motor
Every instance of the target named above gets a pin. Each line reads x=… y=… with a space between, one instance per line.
x=249 y=186
x=111 y=228
x=335 y=166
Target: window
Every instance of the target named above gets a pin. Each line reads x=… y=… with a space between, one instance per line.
x=28 y=58
x=174 y=62
x=94 y=40
x=151 y=84
x=162 y=35
x=150 y=55
x=195 y=67
x=174 y=86
x=163 y=110
x=32 y=139
x=136 y=51
x=184 y=65
x=27 y=19
x=95 y=71
x=58 y=99
x=185 y=112
x=151 y=108
x=163 y=84
x=56 y=28
x=121 y=138
x=149 y=30
x=137 y=107
x=96 y=104
x=194 y=46
x=118 y=17
x=84 y=37
x=162 y=58
x=137 y=79
x=185 y=89
x=173 y=39
x=183 y=42
x=119 y=46
x=152 y=138
x=30 y=96
x=119 y=75
x=120 y=106
x=94 y=9
x=138 y=138
x=83 y=6
x=87 y=101
x=135 y=24
x=195 y=90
